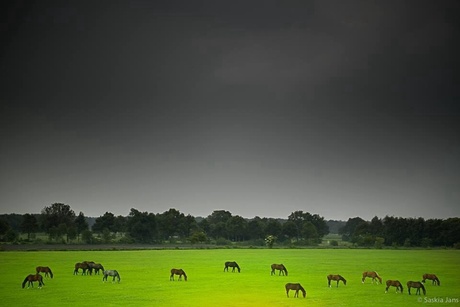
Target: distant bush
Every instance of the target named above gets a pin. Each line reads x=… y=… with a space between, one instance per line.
x=334 y=243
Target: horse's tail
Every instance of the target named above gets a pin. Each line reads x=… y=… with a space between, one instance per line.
x=24 y=282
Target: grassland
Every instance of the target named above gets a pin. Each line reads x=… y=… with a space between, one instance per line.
x=145 y=277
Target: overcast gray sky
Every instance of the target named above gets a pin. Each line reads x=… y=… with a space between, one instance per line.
x=261 y=108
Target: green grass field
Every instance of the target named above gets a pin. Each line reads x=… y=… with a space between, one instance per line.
x=145 y=277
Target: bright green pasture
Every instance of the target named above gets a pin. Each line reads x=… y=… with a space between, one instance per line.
x=145 y=277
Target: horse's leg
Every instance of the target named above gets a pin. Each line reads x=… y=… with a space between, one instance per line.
x=287 y=292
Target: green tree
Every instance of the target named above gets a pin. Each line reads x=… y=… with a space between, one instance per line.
x=142 y=226
x=218 y=216
x=4 y=227
x=348 y=231
x=29 y=224
x=106 y=221
x=198 y=237
x=309 y=232
x=290 y=230
x=171 y=223
x=55 y=215
x=237 y=228
x=81 y=224
x=87 y=236
x=256 y=228
x=273 y=227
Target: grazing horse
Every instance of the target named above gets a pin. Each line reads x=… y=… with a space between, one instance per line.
x=81 y=265
x=233 y=265
x=44 y=269
x=96 y=267
x=31 y=278
x=394 y=283
x=91 y=265
x=373 y=275
x=295 y=287
x=179 y=272
x=416 y=284
x=433 y=278
x=337 y=278
x=113 y=273
x=279 y=267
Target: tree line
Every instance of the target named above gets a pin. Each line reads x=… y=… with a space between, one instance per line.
x=398 y=231
x=60 y=224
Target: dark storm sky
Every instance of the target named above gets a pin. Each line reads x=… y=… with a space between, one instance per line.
x=341 y=108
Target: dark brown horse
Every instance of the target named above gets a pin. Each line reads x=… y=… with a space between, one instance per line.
x=394 y=283
x=279 y=267
x=44 y=269
x=233 y=265
x=179 y=272
x=337 y=278
x=91 y=265
x=31 y=278
x=81 y=265
x=295 y=287
x=94 y=266
x=373 y=275
x=416 y=284
x=433 y=278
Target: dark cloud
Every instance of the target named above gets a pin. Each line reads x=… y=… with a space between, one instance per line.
x=261 y=108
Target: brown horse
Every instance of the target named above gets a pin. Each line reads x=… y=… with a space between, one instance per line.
x=94 y=266
x=179 y=272
x=394 y=283
x=337 y=278
x=233 y=265
x=81 y=265
x=91 y=265
x=295 y=287
x=433 y=278
x=416 y=284
x=373 y=275
x=44 y=269
x=31 y=278
x=279 y=267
